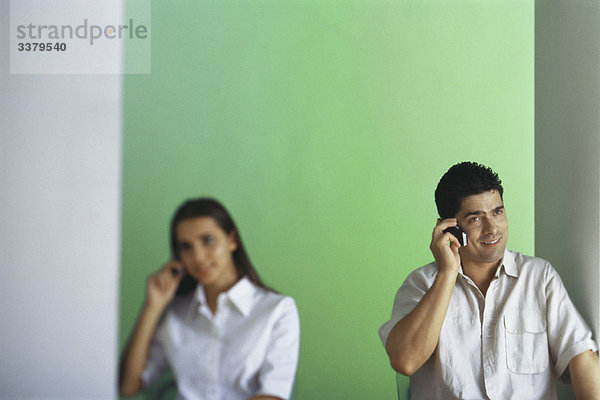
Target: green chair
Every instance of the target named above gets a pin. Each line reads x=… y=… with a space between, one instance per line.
x=399 y=385
x=164 y=388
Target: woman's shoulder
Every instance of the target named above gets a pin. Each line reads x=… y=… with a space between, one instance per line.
x=268 y=294
x=267 y=299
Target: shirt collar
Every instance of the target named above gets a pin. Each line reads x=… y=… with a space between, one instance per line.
x=240 y=295
x=509 y=264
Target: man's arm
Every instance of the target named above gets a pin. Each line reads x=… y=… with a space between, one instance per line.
x=585 y=376
x=414 y=338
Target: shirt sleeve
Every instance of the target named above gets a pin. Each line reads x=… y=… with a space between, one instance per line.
x=157 y=361
x=568 y=333
x=276 y=375
x=408 y=296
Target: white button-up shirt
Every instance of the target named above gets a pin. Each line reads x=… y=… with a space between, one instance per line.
x=510 y=344
x=248 y=348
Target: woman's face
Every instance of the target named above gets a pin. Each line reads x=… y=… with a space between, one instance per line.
x=206 y=252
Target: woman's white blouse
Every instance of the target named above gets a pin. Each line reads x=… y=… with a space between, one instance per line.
x=248 y=348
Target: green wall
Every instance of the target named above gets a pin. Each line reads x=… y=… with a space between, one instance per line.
x=324 y=127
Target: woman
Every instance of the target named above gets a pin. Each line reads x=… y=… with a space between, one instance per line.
x=208 y=317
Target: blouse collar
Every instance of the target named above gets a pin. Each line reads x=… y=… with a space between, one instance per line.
x=240 y=295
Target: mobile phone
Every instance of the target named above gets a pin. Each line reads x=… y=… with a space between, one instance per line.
x=458 y=232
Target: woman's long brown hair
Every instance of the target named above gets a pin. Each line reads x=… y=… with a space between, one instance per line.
x=208 y=207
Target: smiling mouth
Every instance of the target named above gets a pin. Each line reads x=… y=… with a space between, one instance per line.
x=203 y=269
x=491 y=242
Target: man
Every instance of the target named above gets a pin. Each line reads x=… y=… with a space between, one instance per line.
x=483 y=322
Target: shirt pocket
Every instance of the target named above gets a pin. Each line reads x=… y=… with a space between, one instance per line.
x=526 y=343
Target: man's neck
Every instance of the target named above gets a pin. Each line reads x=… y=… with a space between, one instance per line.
x=481 y=274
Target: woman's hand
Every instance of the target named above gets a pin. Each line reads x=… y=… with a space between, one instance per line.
x=162 y=285
x=160 y=290
x=444 y=246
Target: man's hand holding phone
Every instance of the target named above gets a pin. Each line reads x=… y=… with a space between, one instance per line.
x=413 y=339
x=444 y=246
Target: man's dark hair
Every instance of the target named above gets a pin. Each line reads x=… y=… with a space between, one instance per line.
x=462 y=180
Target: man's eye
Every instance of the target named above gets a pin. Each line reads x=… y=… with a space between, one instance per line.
x=474 y=219
x=209 y=240
x=499 y=212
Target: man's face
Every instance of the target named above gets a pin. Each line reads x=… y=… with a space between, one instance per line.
x=483 y=217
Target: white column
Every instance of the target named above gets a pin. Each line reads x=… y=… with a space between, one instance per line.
x=567 y=147
x=60 y=168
